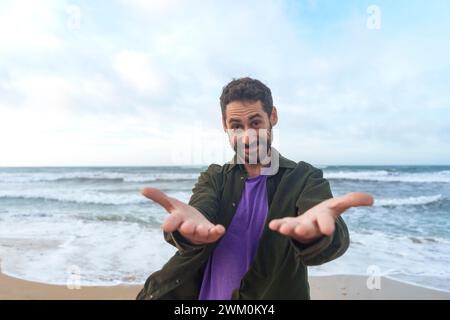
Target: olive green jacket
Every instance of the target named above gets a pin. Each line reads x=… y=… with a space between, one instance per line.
x=279 y=269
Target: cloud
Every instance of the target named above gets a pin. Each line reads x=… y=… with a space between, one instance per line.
x=153 y=7
x=137 y=69
x=26 y=24
x=137 y=78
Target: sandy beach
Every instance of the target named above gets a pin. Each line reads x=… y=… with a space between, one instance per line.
x=326 y=287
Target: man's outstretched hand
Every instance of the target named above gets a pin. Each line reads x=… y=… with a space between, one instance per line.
x=186 y=219
x=319 y=220
x=316 y=222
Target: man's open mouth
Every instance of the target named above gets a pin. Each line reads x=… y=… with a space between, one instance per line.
x=253 y=149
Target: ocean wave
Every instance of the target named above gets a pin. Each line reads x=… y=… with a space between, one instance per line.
x=424 y=257
x=147 y=220
x=367 y=237
x=97 y=177
x=83 y=179
x=409 y=201
x=386 y=176
x=85 y=196
x=168 y=177
x=91 y=199
x=106 y=253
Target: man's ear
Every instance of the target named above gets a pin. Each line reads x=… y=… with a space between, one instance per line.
x=274 y=117
x=224 y=124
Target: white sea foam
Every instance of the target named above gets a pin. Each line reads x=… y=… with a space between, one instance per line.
x=383 y=175
x=83 y=196
x=101 y=176
x=105 y=253
x=398 y=257
x=113 y=253
x=48 y=224
x=75 y=196
x=421 y=200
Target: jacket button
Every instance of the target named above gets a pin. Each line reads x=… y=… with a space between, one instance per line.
x=233 y=204
x=242 y=178
x=177 y=281
x=151 y=296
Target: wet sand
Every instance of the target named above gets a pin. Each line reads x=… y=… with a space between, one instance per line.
x=325 y=287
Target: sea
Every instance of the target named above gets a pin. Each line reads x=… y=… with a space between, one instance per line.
x=93 y=222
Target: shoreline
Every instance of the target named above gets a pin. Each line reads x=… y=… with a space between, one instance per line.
x=354 y=287
x=340 y=287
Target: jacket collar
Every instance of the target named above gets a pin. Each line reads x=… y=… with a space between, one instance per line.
x=272 y=170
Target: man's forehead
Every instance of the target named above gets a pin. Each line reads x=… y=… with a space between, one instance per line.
x=243 y=110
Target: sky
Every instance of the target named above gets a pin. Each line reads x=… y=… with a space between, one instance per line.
x=136 y=82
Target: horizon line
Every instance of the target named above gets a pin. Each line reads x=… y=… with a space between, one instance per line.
x=203 y=165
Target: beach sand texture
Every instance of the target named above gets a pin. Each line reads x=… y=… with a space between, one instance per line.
x=326 y=287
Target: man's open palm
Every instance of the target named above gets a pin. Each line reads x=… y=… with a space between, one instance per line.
x=320 y=219
x=314 y=223
x=186 y=219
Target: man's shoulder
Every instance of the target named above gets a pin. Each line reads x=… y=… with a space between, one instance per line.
x=299 y=167
x=214 y=171
x=308 y=166
x=215 y=168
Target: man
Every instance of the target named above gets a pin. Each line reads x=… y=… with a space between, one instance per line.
x=253 y=225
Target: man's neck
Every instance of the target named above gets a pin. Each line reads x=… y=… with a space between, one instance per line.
x=253 y=170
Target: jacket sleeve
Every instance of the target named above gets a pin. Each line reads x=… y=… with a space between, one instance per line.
x=205 y=198
x=326 y=248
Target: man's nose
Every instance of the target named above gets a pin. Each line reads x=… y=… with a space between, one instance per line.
x=245 y=139
x=249 y=137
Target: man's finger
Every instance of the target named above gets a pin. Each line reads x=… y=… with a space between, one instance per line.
x=352 y=199
x=275 y=224
x=187 y=228
x=215 y=233
x=159 y=197
x=218 y=229
x=287 y=228
x=306 y=230
x=172 y=223
x=326 y=224
x=201 y=231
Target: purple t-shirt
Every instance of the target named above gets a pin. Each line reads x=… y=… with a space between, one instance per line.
x=234 y=254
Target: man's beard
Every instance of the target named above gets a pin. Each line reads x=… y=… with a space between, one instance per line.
x=259 y=150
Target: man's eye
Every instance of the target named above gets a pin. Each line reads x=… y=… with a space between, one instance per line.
x=255 y=123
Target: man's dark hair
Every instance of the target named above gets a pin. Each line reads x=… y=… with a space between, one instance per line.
x=246 y=89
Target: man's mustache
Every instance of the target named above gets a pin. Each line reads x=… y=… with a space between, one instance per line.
x=253 y=146
x=249 y=146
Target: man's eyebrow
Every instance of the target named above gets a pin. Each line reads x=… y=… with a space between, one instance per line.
x=253 y=116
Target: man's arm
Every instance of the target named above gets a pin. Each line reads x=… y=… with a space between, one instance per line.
x=325 y=248
x=190 y=226
x=204 y=198
x=319 y=233
x=205 y=194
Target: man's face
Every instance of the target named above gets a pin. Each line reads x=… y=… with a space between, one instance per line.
x=249 y=129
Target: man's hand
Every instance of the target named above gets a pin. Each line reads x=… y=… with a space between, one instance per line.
x=319 y=220
x=186 y=219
